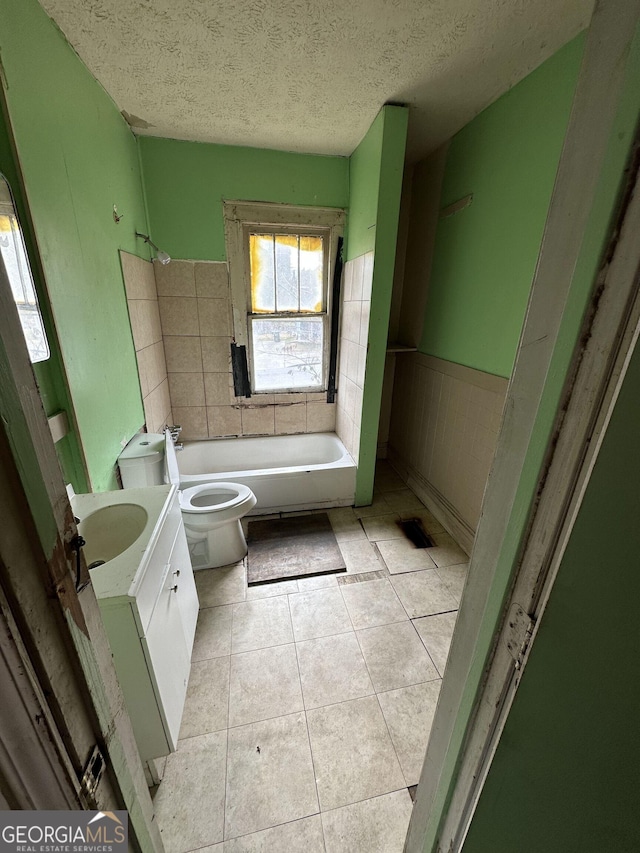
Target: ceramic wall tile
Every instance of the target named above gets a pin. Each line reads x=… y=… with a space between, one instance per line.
x=217 y=389
x=224 y=420
x=212 y=280
x=183 y=353
x=214 y=317
x=321 y=417
x=186 y=389
x=138 y=274
x=178 y=315
x=216 y=354
x=444 y=426
x=175 y=279
x=193 y=420
x=258 y=421
x=290 y=419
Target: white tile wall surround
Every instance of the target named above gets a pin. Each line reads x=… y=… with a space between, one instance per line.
x=195 y=312
x=444 y=428
x=354 y=335
x=144 y=315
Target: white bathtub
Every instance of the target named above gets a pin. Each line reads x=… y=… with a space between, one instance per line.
x=285 y=472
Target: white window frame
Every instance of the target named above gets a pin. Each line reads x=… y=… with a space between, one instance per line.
x=243 y=218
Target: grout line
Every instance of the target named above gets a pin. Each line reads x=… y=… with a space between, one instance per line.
x=226 y=761
x=266 y=829
x=427 y=648
x=366 y=664
x=390 y=738
x=306 y=722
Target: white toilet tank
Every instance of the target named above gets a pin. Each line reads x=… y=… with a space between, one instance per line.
x=141 y=463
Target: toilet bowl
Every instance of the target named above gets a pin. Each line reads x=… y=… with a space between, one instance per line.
x=211 y=516
x=211 y=513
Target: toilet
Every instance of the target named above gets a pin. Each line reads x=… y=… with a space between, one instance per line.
x=211 y=512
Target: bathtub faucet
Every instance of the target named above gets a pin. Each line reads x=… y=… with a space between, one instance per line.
x=174 y=432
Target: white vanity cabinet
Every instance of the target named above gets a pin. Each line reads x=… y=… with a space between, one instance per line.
x=149 y=606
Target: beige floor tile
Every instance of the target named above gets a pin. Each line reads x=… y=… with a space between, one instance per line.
x=447 y=552
x=269 y=590
x=403 y=500
x=360 y=556
x=261 y=623
x=213 y=633
x=454 y=578
x=332 y=670
x=378 y=825
x=319 y=613
x=382 y=527
x=353 y=755
x=198 y=765
x=377 y=507
x=423 y=593
x=206 y=708
x=317 y=582
x=221 y=586
x=356 y=534
x=395 y=656
x=301 y=836
x=401 y=555
x=270 y=778
x=436 y=633
x=264 y=684
x=409 y=714
x=372 y=603
x=345 y=524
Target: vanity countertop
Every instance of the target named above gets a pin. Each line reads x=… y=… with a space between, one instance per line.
x=123 y=575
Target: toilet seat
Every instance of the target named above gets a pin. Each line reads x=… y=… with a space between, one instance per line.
x=211 y=514
x=194 y=499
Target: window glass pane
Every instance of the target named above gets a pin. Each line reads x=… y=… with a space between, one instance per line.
x=287 y=257
x=15 y=260
x=263 y=292
x=286 y=273
x=311 y=262
x=287 y=353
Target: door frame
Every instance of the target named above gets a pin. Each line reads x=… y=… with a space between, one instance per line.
x=57 y=637
x=460 y=750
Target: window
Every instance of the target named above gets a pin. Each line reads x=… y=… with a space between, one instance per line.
x=14 y=257
x=281 y=261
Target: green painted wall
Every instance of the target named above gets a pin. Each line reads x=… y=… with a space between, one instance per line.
x=186 y=182
x=566 y=776
x=49 y=374
x=375 y=179
x=78 y=157
x=596 y=237
x=485 y=254
x=364 y=189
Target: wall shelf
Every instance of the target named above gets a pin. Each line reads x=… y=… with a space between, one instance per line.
x=396 y=347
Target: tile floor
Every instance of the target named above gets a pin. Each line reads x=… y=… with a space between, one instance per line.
x=310 y=702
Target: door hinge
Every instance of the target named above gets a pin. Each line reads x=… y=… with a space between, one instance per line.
x=518 y=633
x=92 y=774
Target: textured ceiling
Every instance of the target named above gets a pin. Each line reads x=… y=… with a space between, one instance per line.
x=310 y=76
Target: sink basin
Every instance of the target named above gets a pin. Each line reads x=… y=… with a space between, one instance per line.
x=110 y=530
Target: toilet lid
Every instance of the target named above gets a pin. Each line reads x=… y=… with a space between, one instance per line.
x=171 y=461
x=213 y=496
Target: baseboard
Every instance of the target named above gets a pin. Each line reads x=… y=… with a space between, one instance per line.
x=435 y=502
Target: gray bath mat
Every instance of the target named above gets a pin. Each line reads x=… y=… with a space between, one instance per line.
x=296 y=547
